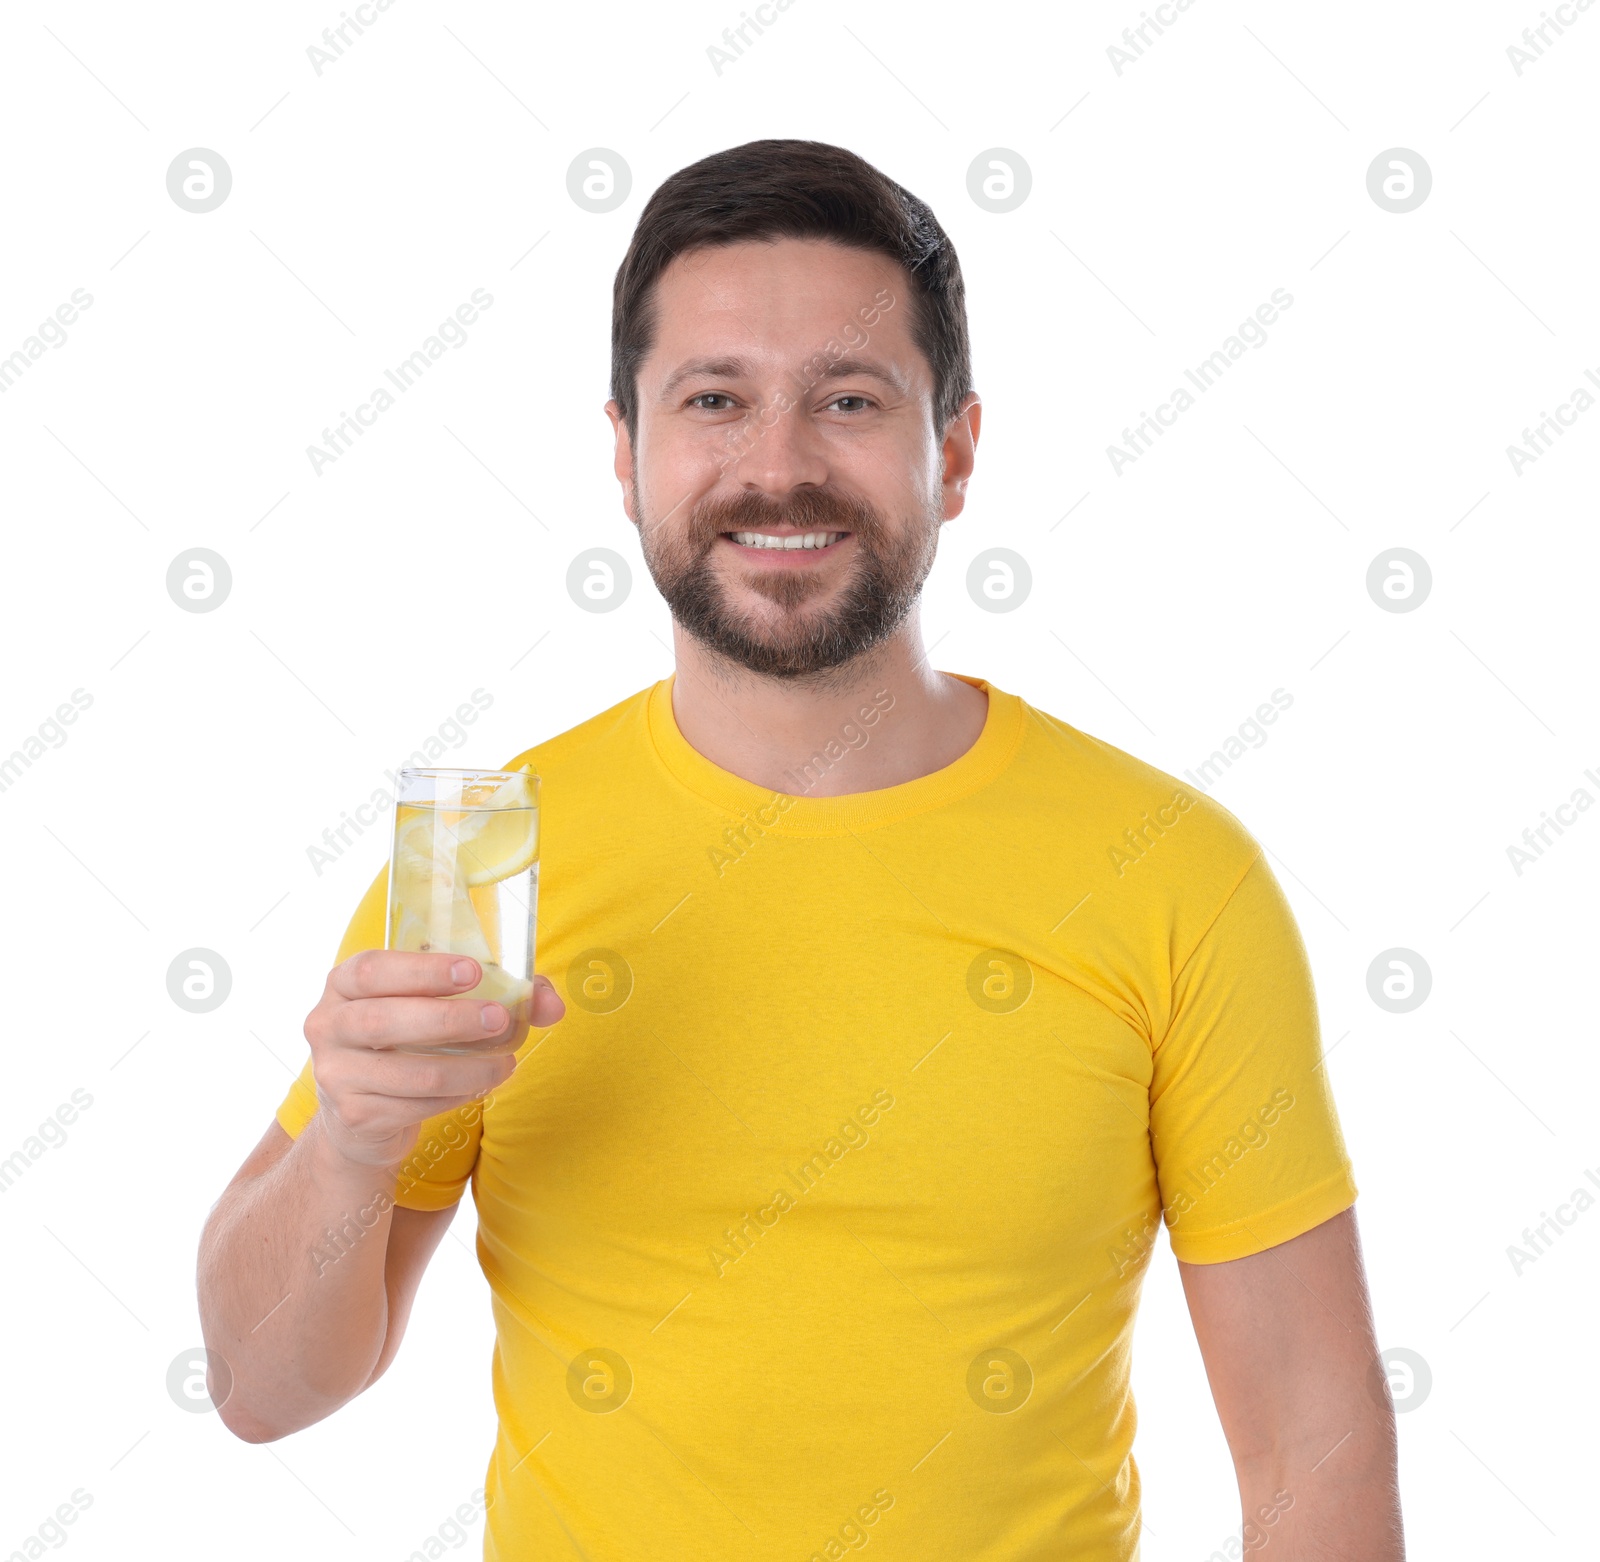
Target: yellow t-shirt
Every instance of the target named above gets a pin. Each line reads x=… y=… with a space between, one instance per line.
x=820 y=1219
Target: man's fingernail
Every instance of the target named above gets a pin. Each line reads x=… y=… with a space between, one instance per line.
x=494 y=1017
x=461 y=972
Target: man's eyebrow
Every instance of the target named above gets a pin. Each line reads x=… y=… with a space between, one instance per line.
x=848 y=367
x=851 y=367
x=705 y=369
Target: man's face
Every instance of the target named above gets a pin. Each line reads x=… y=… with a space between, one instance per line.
x=784 y=398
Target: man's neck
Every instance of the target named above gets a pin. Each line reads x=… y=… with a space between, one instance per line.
x=917 y=720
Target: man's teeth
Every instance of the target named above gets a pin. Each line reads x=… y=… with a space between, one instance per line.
x=805 y=540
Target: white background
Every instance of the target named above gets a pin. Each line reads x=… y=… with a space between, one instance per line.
x=1168 y=602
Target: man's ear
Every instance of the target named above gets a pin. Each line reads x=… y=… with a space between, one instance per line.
x=958 y=455
x=622 y=460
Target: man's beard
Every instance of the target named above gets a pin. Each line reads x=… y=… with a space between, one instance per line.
x=884 y=580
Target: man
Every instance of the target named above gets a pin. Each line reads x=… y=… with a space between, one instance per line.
x=898 y=1016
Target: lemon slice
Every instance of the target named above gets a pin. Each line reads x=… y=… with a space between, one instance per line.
x=490 y=843
x=435 y=909
x=505 y=843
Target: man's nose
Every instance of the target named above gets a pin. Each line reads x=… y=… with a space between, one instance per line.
x=778 y=451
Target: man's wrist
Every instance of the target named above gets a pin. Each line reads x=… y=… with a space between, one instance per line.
x=332 y=1166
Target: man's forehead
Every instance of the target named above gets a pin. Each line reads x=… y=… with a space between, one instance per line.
x=728 y=310
x=776 y=277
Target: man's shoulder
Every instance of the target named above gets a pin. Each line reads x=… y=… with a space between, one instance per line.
x=1137 y=815
x=1103 y=773
x=600 y=739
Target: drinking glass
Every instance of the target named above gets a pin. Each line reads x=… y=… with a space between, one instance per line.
x=464 y=880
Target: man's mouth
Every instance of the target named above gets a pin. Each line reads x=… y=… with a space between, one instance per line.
x=788 y=542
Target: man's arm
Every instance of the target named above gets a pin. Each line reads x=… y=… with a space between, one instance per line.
x=1290 y=1350
x=305 y=1325
x=348 y=1317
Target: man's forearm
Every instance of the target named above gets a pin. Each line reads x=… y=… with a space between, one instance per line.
x=292 y=1287
x=1336 y=1501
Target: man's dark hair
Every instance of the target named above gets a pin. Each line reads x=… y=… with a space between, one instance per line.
x=792 y=189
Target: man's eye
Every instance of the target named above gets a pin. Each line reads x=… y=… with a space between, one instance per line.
x=707 y=396
x=862 y=401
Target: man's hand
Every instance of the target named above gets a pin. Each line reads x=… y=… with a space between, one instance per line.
x=375 y=1097
x=1290 y=1350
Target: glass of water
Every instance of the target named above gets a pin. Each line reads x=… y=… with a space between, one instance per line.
x=464 y=880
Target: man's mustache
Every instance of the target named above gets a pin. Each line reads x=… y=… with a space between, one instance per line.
x=808 y=509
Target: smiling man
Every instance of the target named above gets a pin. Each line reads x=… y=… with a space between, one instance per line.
x=888 y=1019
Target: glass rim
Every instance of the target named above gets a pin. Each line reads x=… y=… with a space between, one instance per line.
x=440 y=786
x=446 y=770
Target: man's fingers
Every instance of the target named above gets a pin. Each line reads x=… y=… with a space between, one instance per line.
x=393 y=973
x=412 y=1077
x=412 y=1022
x=384 y=973
x=547 y=1006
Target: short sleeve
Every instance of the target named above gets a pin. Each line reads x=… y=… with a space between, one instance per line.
x=436 y=1173
x=1246 y=1139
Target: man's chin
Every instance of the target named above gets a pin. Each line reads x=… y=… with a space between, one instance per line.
x=780 y=599
x=785 y=651
x=794 y=670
